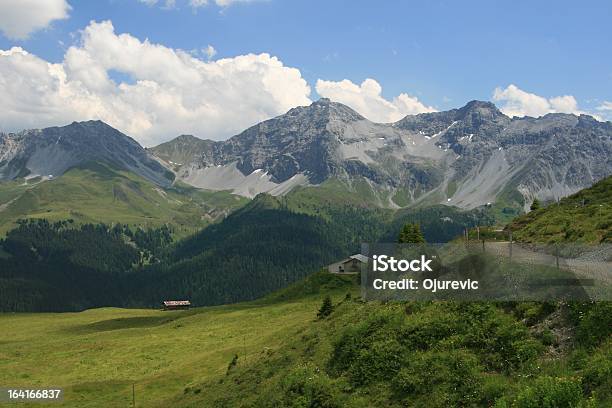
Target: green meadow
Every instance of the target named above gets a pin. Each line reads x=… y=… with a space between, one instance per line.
x=277 y=352
x=97 y=355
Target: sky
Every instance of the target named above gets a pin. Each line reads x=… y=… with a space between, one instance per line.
x=157 y=69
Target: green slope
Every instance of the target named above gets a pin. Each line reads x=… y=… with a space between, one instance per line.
x=181 y=150
x=96 y=192
x=334 y=199
x=363 y=355
x=334 y=192
x=584 y=217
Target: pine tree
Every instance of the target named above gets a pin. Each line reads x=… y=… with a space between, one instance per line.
x=232 y=364
x=535 y=204
x=411 y=234
x=326 y=308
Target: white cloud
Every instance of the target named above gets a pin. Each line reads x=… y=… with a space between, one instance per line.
x=368 y=101
x=605 y=106
x=209 y=51
x=220 y=3
x=195 y=4
x=516 y=102
x=606 y=109
x=173 y=92
x=169 y=4
x=18 y=19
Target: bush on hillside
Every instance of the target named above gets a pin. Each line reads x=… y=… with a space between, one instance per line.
x=548 y=392
x=439 y=379
x=376 y=349
x=306 y=386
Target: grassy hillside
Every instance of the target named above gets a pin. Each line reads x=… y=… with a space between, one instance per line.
x=276 y=352
x=584 y=217
x=181 y=150
x=331 y=199
x=334 y=192
x=97 y=192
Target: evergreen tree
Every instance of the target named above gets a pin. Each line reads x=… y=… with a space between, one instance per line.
x=326 y=308
x=411 y=234
x=535 y=205
x=232 y=364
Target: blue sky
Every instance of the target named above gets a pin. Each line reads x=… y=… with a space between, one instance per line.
x=444 y=53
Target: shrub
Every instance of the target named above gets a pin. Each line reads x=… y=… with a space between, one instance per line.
x=360 y=337
x=380 y=361
x=547 y=338
x=503 y=342
x=306 y=386
x=597 y=371
x=533 y=312
x=595 y=325
x=549 y=392
x=369 y=352
x=440 y=378
x=424 y=331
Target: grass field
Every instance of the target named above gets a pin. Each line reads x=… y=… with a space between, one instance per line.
x=97 y=355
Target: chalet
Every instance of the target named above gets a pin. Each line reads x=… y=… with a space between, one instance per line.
x=350 y=265
x=176 y=304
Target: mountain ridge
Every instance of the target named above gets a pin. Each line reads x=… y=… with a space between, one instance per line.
x=468 y=157
x=465 y=157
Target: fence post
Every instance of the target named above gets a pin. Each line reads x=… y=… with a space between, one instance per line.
x=510 y=245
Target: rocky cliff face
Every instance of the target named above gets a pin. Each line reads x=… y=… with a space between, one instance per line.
x=547 y=157
x=465 y=157
x=50 y=152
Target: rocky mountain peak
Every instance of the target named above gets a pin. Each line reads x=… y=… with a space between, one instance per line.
x=484 y=109
x=322 y=111
x=52 y=151
x=187 y=139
